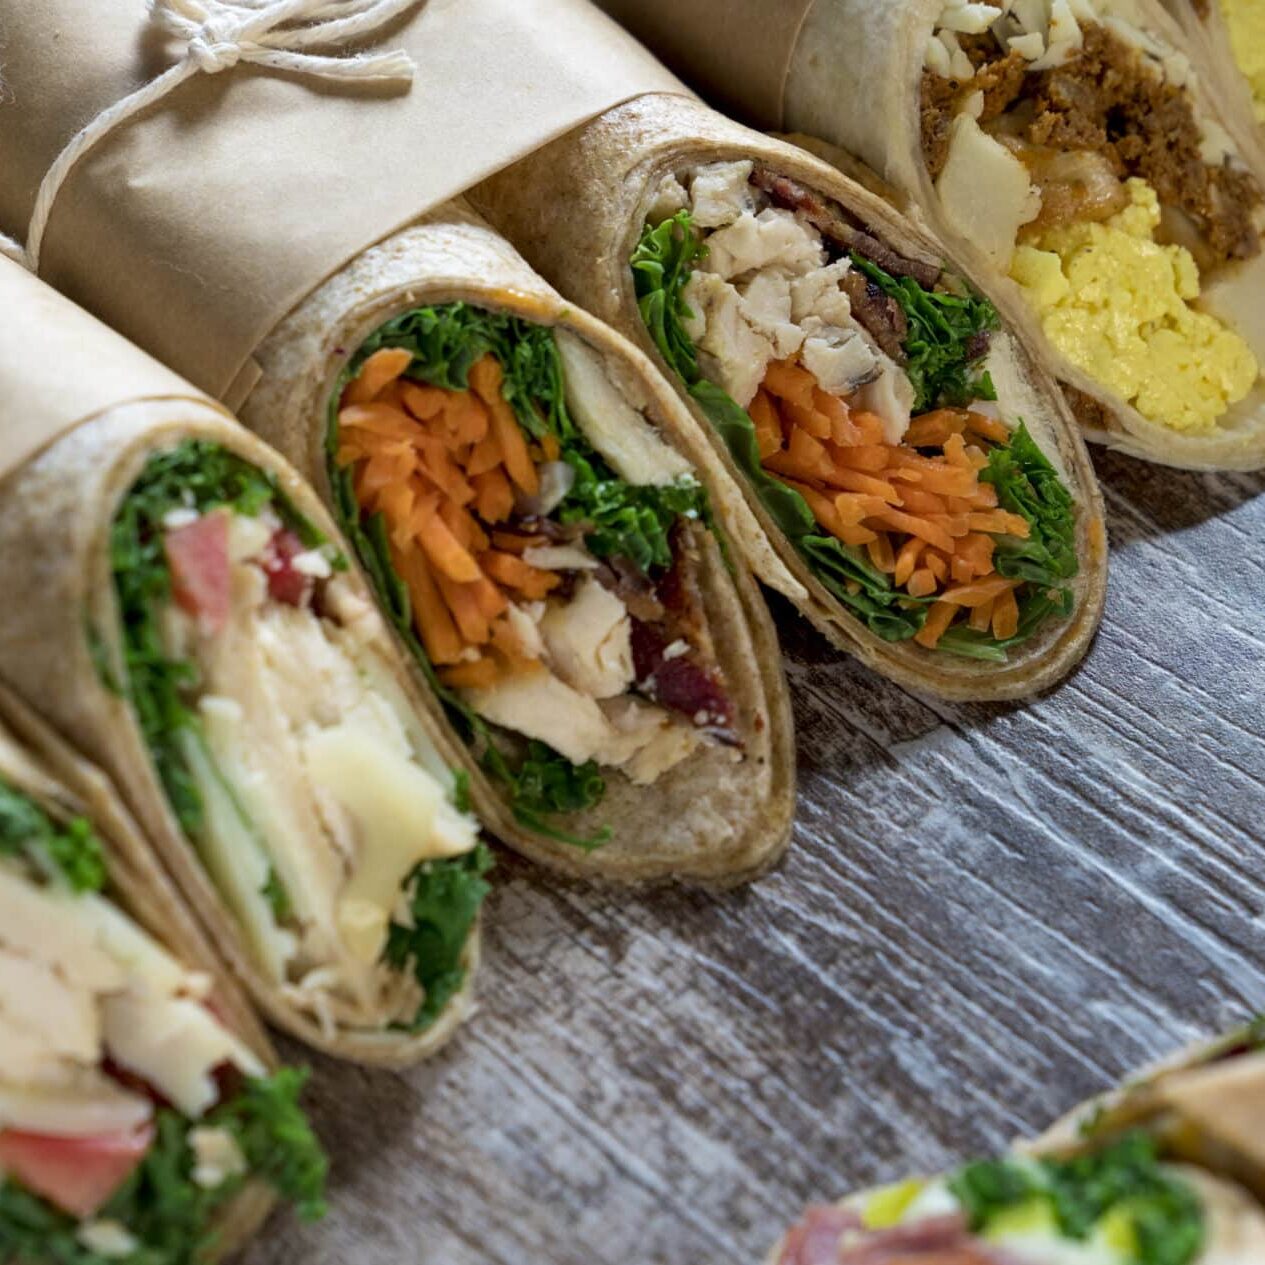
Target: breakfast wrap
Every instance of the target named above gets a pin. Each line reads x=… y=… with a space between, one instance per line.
x=540 y=521
x=1081 y=155
x=189 y=620
x=1179 y=1184
x=142 y=1112
x=909 y=468
x=1234 y=34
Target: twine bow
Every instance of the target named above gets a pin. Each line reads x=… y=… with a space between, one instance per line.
x=216 y=35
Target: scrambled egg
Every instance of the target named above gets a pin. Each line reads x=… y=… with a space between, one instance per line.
x=1117 y=304
x=1246 y=21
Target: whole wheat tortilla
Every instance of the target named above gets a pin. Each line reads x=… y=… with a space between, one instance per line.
x=850 y=71
x=35 y=762
x=714 y=819
x=582 y=242
x=60 y=645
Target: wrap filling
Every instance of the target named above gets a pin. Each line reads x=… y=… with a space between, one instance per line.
x=129 y=1113
x=852 y=388
x=541 y=549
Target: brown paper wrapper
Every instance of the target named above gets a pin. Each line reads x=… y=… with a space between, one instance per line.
x=37 y=763
x=583 y=245
x=715 y=820
x=62 y=641
x=853 y=78
x=196 y=227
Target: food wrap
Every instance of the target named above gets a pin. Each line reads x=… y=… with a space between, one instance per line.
x=849 y=72
x=583 y=243
x=82 y=410
x=232 y=219
x=36 y=762
x=715 y=820
x=1113 y=1180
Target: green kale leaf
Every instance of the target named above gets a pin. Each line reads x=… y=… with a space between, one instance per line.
x=444 y=899
x=940 y=363
x=71 y=852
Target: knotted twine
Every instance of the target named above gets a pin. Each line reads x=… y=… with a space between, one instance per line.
x=216 y=35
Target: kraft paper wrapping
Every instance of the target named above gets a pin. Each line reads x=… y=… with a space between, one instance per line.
x=583 y=245
x=59 y=643
x=36 y=762
x=195 y=228
x=853 y=78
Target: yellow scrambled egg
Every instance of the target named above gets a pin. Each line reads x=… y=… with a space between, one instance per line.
x=1246 y=20
x=1116 y=303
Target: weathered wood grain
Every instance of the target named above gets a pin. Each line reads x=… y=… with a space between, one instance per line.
x=989 y=913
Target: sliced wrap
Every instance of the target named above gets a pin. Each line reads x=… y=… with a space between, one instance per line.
x=536 y=511
x=188 y=619
x=911 y=478
x=142 y=1111
x=1085 y=153
x=1165 y=1172
x=532 y=504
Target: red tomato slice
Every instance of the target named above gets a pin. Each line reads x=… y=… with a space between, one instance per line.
x=200 y=575
x=285 y=584
x=77 y=1174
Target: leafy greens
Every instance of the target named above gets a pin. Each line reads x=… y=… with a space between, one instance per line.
x=1125 y=1179
x=71 y=852
x=620 y=519
x=161 y=1205
x=942 y=328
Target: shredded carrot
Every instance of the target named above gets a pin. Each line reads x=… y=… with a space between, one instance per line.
x=477 y=674
x=922 y=516
x=377 y=373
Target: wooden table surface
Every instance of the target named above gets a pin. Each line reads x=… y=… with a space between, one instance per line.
x=987 y=914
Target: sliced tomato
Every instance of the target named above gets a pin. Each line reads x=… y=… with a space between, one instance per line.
x=285 y=583
x=200 y=574
x=77 y=1174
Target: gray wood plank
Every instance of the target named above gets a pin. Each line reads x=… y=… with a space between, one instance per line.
x=989 y=913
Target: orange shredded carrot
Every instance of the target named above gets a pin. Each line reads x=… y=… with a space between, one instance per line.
x=988 y=428
x=981 y=617
x=907 y=560
x=933 y=430
x=922 y=583
x=790 y=382
x=477 y=674
x=939 y=617
x=1005 y=615
x=423 y=402
x=378 y=371
x=768 y=425
x=979 y=591
x=494 y=498
x=880 y=551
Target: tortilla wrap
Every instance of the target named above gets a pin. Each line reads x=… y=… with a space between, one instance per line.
x=37 y=763
x=583 y=242
x=207 y=289
x=1201 y=1111
x=715 y=820
x=850 y=71
x=63 y=475
x=1243 y=99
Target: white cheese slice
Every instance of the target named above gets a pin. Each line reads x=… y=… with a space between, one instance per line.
x=395 y=806
x=635 y=450
x=56 y=927
x=93 y=1105
x=40 y=1001
x=175 y=1045
x=985 y=192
